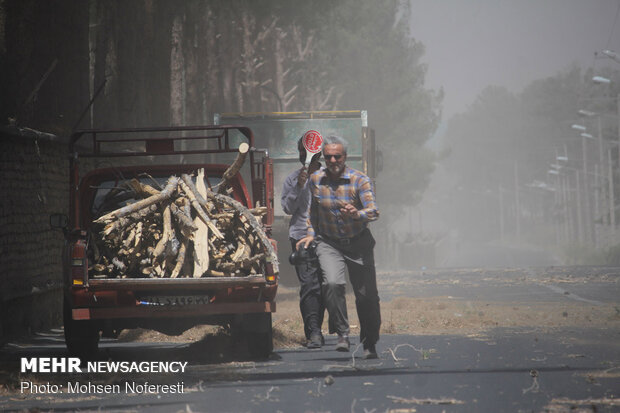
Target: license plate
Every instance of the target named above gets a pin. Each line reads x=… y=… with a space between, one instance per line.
x=176 y=300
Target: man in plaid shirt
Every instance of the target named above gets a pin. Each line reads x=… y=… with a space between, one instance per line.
x=342 y=205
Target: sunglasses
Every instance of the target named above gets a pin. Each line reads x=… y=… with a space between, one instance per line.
x=336 y=157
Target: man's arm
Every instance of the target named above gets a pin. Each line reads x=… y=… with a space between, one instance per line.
x=292 y=195
x=313 y=217
x=369 y=211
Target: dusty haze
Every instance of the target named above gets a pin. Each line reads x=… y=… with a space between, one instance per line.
x=470 y=46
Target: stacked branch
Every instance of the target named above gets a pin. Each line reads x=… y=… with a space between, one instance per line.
x=184 y=230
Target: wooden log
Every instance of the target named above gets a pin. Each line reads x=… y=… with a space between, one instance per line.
x=214 y=273
x=138 y=238
x=259 y=211
x=99 y=268
x=244 y=263
x=256 y=227
x=119 y=224
x=159 y=270
x=234 y=168
x=244 y=249
x=201 y=236
x=141 y=241
x=198 y=203
x=118 y=264
x=180 y=259
x=170 y=254
x=223 y=215
x=141 y=189
x=170 y=188
x=161 y=245
x=187 y=225
x=129 y=236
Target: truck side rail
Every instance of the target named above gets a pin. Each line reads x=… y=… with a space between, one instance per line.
x=157 y=145
x=156 y=141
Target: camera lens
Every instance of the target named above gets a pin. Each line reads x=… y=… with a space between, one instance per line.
x=303 y=254
x=293 y=258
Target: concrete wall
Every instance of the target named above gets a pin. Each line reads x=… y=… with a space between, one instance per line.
x=34 y=182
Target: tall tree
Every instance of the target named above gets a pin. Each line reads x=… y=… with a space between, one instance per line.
x=132 y=57
x=44 y=63
x=369 y=54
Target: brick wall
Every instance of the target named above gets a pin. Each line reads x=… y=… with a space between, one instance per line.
x=33 y=184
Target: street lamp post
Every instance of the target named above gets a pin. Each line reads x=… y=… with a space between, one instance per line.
x=604 y=80
x=573 y=223
x=612 y=209
x=588 y=226
x=607 y=212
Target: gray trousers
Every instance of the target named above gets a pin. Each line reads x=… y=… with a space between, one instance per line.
x=358 y=258
x=310 y=300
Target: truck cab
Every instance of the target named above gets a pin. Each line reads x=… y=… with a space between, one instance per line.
x=101 y=161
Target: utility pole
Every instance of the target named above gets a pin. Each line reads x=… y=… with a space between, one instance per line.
x=597 y=207
x=568 y=222
x=602 y=168
x=579 y=196
x=589 y=221
x=612 y=209
x=611 y=192
x=618 y=116
x=501 y=213
x=517 y=203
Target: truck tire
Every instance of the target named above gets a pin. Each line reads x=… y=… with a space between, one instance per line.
x=81 y=337
x=260 y=335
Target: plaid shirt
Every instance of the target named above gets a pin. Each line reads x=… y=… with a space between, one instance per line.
x=327 y=198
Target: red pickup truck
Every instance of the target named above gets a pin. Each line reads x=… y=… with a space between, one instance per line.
x=96 y=305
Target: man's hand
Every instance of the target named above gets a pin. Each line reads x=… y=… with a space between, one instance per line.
x=302 y=177
x=348 y=210
x=305 y=241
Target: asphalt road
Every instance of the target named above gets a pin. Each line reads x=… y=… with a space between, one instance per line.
x=503 y=370
x=594 y=285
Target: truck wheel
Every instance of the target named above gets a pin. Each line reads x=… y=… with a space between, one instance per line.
x=260 y=340
x=81 y=337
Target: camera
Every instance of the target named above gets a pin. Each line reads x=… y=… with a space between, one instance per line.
x=303 y=255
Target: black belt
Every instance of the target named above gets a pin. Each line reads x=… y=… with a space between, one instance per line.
x=344 y=241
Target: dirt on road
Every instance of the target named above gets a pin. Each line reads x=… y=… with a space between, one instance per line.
x=436 y=315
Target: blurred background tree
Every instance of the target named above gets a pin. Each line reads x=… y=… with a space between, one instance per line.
x=165 y=63
x=503 y=146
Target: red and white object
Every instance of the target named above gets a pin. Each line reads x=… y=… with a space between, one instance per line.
x=313 y=142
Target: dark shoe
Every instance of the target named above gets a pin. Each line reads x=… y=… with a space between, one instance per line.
x=370 y=353
x=343 y=343
x=316 y=341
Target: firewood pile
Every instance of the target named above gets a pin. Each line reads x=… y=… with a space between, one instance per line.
x=183 y=230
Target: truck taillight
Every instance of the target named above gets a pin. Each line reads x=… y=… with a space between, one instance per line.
x=79 y=263
x=270 y=277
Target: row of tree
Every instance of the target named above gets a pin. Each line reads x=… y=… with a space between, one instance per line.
x=156 y=62
x=503 y=147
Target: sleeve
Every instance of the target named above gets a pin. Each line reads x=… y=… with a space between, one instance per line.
x=291 y=200
x=369 y=211
x=313 y=213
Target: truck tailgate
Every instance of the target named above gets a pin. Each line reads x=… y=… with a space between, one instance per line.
x=164 y=284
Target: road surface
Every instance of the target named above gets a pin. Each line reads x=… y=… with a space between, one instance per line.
x=529 y=369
